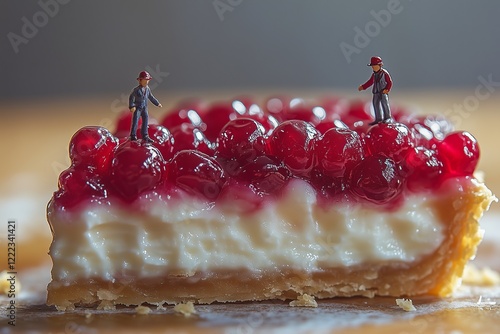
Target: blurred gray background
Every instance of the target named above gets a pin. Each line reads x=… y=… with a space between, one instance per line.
x=57 y=48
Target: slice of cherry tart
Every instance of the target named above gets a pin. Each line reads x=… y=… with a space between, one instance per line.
x=237 y=202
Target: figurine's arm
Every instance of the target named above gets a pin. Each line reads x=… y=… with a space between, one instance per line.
x=131 y=101
x=153 y=99
x=367 y=84
x=388 y=79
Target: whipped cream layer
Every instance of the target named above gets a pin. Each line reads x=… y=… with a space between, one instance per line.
x=183 y=236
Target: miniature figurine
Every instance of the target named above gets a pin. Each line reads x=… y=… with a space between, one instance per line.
x=138 y=104
x=382 y=84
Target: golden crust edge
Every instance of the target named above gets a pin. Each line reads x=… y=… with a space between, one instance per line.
x=466 y=232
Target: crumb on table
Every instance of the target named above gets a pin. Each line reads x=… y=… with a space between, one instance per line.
x=142 y=310
x=304 y=300
x=106 y=305
x=406 y=304
x=187 y=309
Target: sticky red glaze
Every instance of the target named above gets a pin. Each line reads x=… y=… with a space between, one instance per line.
x=92 y=147
x=293 y=142
x=377 y=179
x=186 y=111
x=136 y=168
x=264 y=174
x=197 y=173
x=77 y=183
x=338 y=151
x=459 y=153
x=241 y=139
x=394 y=140
x=216 y=117
x=215 y=151
x=424 y=169
x=188 y=137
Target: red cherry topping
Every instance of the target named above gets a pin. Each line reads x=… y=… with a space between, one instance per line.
x=439 y=126
x=327 y=185
x=328 y=124
x=376 y=179
x=299 y=110
x=137 y=167
x=162 y=140
x=216 y=118
x=92 y=146
x=187 y=137
x=394 y=140
x=459 y=152
x=423 y=169
x=229 y=146
x=335 y=107
x=264 y=174
x=76 y=184
x=338 y=151
x=179 y=117
x=275 y=106
x=269 y=122
x=241 y=139
x=427 y=130
x=292 y=142
x=192 y=103
x=423 y=136
x=357 y=111
x=245 y=105
x=196 y=173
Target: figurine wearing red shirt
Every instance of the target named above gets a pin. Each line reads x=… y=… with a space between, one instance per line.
x=382 y=84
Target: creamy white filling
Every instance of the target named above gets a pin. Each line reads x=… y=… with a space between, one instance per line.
x=184 y=236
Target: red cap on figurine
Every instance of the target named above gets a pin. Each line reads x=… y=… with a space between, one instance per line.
x=144 y=75
x=375 y=61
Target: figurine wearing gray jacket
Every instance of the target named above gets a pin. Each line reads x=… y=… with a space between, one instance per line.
x=138 y=104
x=382 y=84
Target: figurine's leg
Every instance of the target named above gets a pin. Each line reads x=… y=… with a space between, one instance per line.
x=144 y=127
x=376 y=109
x=385 y=107
x=135 y=120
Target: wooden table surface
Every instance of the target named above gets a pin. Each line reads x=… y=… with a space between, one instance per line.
x=34 y=141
